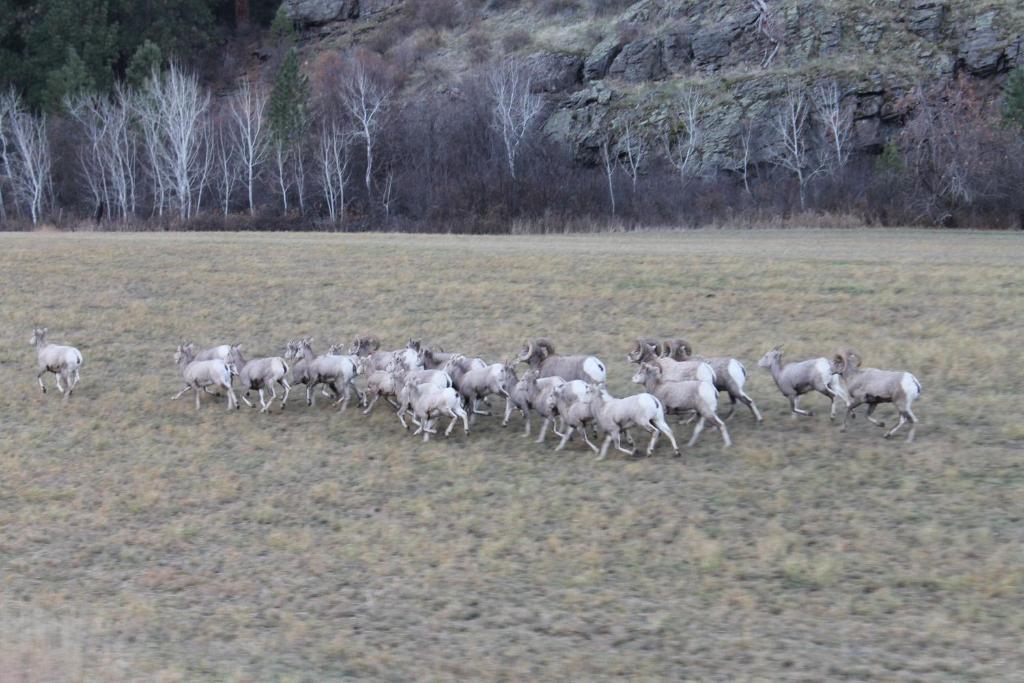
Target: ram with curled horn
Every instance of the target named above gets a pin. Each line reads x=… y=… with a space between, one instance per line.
x=646 y=351
x=541 y=356
x=873 y=386
x=730 y=374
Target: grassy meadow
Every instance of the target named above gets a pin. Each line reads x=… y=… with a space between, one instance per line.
x=140 y=540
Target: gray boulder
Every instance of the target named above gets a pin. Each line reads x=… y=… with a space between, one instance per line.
x=639 y=61
x=554 y=71
x=600 y=58
x=313 y=12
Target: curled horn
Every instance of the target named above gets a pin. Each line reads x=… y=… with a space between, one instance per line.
x=527 y=352
x=546 y=345
x=677 y=349
x=844 y=359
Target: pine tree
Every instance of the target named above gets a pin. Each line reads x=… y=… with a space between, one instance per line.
x=70 y=79
x=147 y=57
x=288 y=106
x=1013 y=98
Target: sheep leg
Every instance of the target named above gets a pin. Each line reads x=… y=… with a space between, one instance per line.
x=696 y=432
x=287 y=390
x=732 y=406
x=188 y=387
x=39 y=378
x=508 y=411
x=749 y=402
x=586 y=439
x=462 y=414
x=604 y=447
x=59 y=387
x=543 y=430
x=793 y=404
x=246 y=399
x=232 y=399
x=848 y=413
x=903 y=421
x=655 y=433
x=412 y=416
x=392 y=402
x=565 y=438
x=663 y=427
x=618 y=443
x=376 y=397
x=196 y=391
x=526 y=417
x=477 y=402
x=725 y=432
x=913 y=424
x=310 y=397
x=345 y=397
x=871 y=409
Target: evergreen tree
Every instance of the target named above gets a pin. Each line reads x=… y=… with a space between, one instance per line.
x=1013 y=98
x=147 y=57
x=287 y=110
x=70 y=79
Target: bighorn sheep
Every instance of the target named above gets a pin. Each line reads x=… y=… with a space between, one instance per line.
x=646 y=351
x=335 y=371
x=429 y=402
x=367 y=346
x=572 y=401
x=404 y=378
x=380 y=383
x=259 y=374
x=800 y=377
x=540 y=397
x=730 y=374
x=475 y=381
x=199 y=374
x=434 y=358
x=873 y=386
x=684 y=396
x=615 y=415
x=62 y=361
x=540 y=355
x=517 y=398
x=300 y=366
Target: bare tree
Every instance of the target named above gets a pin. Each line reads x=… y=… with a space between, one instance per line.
x=365 y=95
x=793 y=150
x=250 y=135
x=514 y=107
x=836 y=122
x=6 y=111
x=682 y=139
x=747 y=135
x=174 y=109
x=31 y=161
x=610 y=163
x=333 y=161
x=633 y=146
x=768 y=25
x=109 y=159
x=227 y=168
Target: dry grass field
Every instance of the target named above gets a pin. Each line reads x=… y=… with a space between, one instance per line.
x=142 y=541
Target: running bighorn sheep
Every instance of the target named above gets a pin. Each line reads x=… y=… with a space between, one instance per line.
x=873 y=386
x=616 y=415
x=429 y=402
x=199 y=374
x=477 y=380
x=684 y=396
x=573 y=404
x=539 y=393
x=730 y=374
x=540 y=355
x=646 y=351
x=800 y=377
x=62 y=361
x=259 y=374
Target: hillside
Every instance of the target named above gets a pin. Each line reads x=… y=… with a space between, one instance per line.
x=743 y=54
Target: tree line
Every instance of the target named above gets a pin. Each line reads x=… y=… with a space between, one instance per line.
x=331 y=145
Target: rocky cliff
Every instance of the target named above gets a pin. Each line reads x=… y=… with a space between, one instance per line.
x=742 y=54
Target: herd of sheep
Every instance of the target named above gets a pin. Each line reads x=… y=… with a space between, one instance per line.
x=427 y=384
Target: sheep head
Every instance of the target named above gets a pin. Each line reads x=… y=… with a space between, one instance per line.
x=364 y=345
x=845 y=360
x=639 y=351
x=38 y=336
x=771 y=357
x=677 y=349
